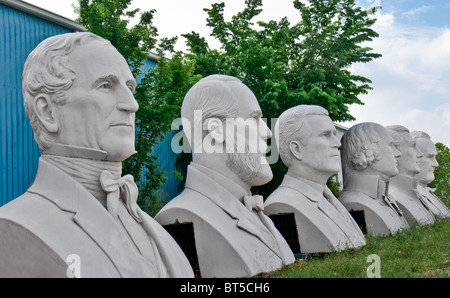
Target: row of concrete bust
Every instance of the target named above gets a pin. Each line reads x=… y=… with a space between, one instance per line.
x=80 y=217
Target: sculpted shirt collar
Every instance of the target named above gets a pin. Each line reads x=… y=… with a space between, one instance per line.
x=404 y=182
x=73 y=151
x=239 y=190
x=218 y=188
x=291 y=181
x=371 y=185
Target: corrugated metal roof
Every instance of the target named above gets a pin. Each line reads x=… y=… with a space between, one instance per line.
x=44 y=14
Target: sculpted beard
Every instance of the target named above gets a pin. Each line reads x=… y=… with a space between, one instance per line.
x=252 y=168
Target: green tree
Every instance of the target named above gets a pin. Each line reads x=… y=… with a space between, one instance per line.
x=159 y=93
x=110 y=19
x=442 y=174
x=287 y=65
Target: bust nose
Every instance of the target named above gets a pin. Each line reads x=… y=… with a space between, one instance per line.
x=335 y=143
x=127 y=103
x=264 y=131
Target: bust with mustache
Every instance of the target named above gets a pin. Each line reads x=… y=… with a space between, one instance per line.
x=216 y=219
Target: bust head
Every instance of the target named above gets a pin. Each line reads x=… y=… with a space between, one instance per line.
x=368 y=149
x=428 y=162
x=78 y=92
x=307 y=143
x=223 y=113
x=408 y=162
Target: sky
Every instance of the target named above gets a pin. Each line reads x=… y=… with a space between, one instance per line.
x=411 y=81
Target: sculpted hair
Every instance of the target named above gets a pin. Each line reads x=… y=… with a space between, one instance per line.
x=47 y=71
x=214 y=97
x=291 y=126
x=360 y=147
x=395 y=132
x=420 y=135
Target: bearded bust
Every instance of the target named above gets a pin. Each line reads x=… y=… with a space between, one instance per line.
x=220 y=224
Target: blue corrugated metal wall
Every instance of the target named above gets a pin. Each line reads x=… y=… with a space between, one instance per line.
x=19 y=34
x=166 y=157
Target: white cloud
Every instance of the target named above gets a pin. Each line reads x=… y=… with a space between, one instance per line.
x=411 y=80
x=416 y=11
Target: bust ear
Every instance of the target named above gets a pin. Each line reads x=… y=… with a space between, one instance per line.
x=215 y=129
x=45 y=112
x=295 y=148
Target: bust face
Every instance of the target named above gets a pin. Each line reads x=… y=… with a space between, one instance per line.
x=408 y=162
x=100 y=110
x=386 y=167
x=428 y=162
x=320 y=153
x=249 y=164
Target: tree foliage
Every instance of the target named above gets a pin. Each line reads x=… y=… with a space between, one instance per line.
x=159 y=94
x=286 y=65
x=110 y=19
x=442 y=174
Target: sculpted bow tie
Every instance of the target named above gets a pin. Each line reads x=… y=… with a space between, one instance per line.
x=124 y=188
x=255 y=202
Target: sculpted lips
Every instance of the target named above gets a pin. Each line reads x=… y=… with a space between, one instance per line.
x=124 y=124
x=335 y=154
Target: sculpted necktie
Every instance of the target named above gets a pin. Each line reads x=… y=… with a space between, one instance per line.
x=116 y=189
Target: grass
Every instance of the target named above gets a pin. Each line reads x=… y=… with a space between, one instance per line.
x=418 y=253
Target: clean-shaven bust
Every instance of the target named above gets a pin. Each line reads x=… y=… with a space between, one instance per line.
x=428 y=164
x=369 y=161
x=403 y=187
x=78 y=96
x=217 y=221
x=308 y=146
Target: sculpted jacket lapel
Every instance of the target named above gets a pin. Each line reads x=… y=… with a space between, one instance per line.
x=311 y=194
x=220 y=196
x=173 y=257
x=89 y=214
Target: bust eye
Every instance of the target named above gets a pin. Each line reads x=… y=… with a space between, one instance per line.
x=105 y=85
x=327 y=134
x=132 y=88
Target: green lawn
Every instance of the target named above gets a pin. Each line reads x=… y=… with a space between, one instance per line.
x=419 y=252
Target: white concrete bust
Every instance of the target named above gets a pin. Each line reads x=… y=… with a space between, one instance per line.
x=403 y=187
x=230 y=236
x=369 y=161
x=78 y=96
x=308 y=146
x=428 y=164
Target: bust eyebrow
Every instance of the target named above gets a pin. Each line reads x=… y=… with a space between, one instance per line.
x=328 y=130
x=109 y=78
x=132 y=83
